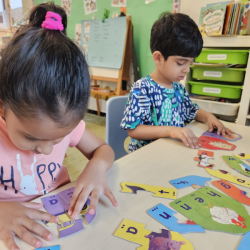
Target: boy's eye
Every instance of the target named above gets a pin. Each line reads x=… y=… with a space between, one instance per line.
x=180 y=64
x=30 y=139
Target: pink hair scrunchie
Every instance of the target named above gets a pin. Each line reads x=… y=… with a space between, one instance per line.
x=53 y=21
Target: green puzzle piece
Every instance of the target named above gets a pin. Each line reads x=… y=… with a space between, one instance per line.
x=237 y=164
x=214 y=211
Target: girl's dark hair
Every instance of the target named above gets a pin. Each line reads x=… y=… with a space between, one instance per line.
x=43 y=72
x=176 y=35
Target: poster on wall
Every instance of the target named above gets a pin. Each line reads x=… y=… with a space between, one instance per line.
x=148 y=1
x=78 y=32
x=118 y=3
x=66 y=4
x=90 y=6
x=176 y=6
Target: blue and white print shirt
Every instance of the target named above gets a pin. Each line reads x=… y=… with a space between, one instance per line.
x=151 y=104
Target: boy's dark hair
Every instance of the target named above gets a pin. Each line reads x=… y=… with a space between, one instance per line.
x=176 y=35
x=43 y=72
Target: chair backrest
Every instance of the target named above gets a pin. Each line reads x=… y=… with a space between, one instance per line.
x=115 y=136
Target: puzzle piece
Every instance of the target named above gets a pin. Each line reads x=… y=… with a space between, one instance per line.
x=215 y=143
x=237 y=165
x=163 y=192
x=58 y=205
x=191 y=180
x=245 y=242
x=203 y=158
x=222 y=174
x=233 y=137
x=57 y=247
x=214 y=211
x=232 y=191
x=166 y=240
x=243 y=156
x=166 y=217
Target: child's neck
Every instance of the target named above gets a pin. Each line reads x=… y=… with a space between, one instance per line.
x=160 y=79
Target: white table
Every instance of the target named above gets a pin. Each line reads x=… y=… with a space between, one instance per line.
x=155 y=164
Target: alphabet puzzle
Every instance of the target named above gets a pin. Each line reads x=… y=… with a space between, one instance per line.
x=166 y=217
x=245 y=242
x=215 y=143
x=192 y=180
x=57 y=247
x=166 y=240
x=214 y=211
x=233 y=137
x=58 y=205
x=203 y=157
x=232 y=191
x=237 y=165
x=162 y=192
x=243 y=156
x=222 y=174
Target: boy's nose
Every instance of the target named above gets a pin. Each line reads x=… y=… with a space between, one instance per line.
x=45 y=148
x=186 y=70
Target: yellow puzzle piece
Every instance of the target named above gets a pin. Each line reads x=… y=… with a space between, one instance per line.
x=136 y=232
x=244 y=156
x=163 y=192
x=222 y=174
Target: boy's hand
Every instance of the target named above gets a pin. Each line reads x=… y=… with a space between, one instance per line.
x=186 y=135
x=212 y=122
x=19 y=219
x=91 y=182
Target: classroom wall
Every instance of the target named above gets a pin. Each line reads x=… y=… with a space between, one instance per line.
x=143 y=17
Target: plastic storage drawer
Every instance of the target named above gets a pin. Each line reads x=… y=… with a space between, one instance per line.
x=210 y=89
x=218 y=74
x=223 y=56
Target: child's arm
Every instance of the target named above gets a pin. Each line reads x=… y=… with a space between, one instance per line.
x=19 y=219
x=147 y=132
x=92 y=180
x=212 y=121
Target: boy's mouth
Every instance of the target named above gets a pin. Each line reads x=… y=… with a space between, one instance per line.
x=182 y=77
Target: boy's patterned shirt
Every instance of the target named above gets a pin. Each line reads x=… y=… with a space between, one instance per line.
x=151 y=104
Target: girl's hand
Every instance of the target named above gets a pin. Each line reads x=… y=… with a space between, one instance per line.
x=186 y=135
x=212 y=122
x=91 y=182
x=19 y=218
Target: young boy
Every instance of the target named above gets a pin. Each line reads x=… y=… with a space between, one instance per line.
x=158 y=105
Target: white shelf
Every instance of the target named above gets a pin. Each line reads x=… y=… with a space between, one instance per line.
x=227 y=41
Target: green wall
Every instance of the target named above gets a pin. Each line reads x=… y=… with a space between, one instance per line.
x=143 y=17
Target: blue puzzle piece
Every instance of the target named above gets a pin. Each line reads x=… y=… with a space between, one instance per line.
x=245 y=242
x=166 y=217
x=57 y=247
x=188 y=181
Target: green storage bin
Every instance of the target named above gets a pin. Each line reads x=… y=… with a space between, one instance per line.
x=223 y=56
x=218 y=74
x=218 y=90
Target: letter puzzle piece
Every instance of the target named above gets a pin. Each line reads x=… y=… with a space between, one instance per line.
x=215 y=143
x=203 y=158
x=232 y=191
x=58 y=205
x=245 y=242
x=163 y=192
x=191 y=180
x=244 y=156
x=214 y=211
x=233 y=137
x=166 y=217
x=57 y=247
x=237 y=165
x=166 y=240
x=222 y=174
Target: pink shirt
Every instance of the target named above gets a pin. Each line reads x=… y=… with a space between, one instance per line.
x=24 y=175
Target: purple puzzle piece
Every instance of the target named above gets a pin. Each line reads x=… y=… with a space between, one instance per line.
x=55 y=204
x=67 y=194
x=78 y=226
x=89 y=217
x=234 y=137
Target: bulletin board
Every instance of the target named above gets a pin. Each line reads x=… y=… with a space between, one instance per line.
x=143 y=17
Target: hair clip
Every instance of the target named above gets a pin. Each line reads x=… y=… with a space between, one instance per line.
x=53 y=21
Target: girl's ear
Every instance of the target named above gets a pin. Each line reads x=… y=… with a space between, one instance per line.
x=157 y=57
x=1 y=108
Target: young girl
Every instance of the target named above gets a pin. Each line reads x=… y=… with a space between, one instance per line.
x=44 y=92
